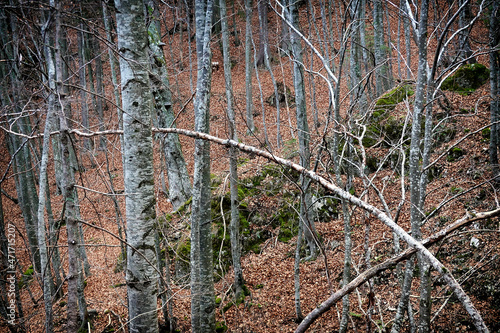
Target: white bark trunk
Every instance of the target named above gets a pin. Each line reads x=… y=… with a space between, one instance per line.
x=137 y=101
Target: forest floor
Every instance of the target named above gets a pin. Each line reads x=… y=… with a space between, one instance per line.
x=269 y=272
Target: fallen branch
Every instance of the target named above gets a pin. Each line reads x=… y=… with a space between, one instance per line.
x=412 y=242
x=374 y=271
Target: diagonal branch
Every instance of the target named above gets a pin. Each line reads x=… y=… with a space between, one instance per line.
x=374 y=271
x=412 y=242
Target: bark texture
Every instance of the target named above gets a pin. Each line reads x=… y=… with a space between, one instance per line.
x=137 y=101
x=202 y=277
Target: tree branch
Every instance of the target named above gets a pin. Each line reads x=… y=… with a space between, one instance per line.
x=416 y=245
x=374 y=271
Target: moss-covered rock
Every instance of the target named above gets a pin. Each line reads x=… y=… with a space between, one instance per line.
x=389 y=100
x=383 y=126
x=455 y=153
x=467 y=79
x=182 y=259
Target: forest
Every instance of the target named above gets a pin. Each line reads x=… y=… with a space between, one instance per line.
x=249 y=166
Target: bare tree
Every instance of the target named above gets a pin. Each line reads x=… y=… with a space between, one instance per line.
x=202 y=279
x=137 y=101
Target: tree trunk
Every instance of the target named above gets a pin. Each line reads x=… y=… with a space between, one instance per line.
x=415 y=172
x=202 y=283
x=82 y=74
x=118 y=105
x=303 y=133
x=137 y=101
x=178 y=177
x=263 y=32
x=248 y=65
x=381 y=70
x=233 y=159
x=100 y=100
x=494 y=37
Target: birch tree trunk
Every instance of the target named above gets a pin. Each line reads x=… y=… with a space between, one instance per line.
x=137 y=101
x=202 y=283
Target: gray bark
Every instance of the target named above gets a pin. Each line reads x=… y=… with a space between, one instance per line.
x=494 y=36
x=19 y=150
x=82 y=74
x=248 y=65
x=406 y=27
x=355 y=59
x=262 y=6
x=417 y=191
x=113 y=64
x=137 y=101
x=381 y=71
x=76 y=300
x=100 y=101
x=303 y=132
x=42 y=245
x=233 y=158
x=464 y=19
x=178 y=177
x=202 y=283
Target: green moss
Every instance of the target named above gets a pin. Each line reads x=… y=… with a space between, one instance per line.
x=183 y=208
x=27 y=277
x=290 y=149
x=184 y=249
x=389 y=100
x=121 y=262
x=29 y=271
x=486 y=133
x=242 y=161
x=467 y=79
x=455 y=153
x=220 y=327
x=227 y=307
x=383 y=125
x=215 y=180
x=286 y=219
x=369 y=141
